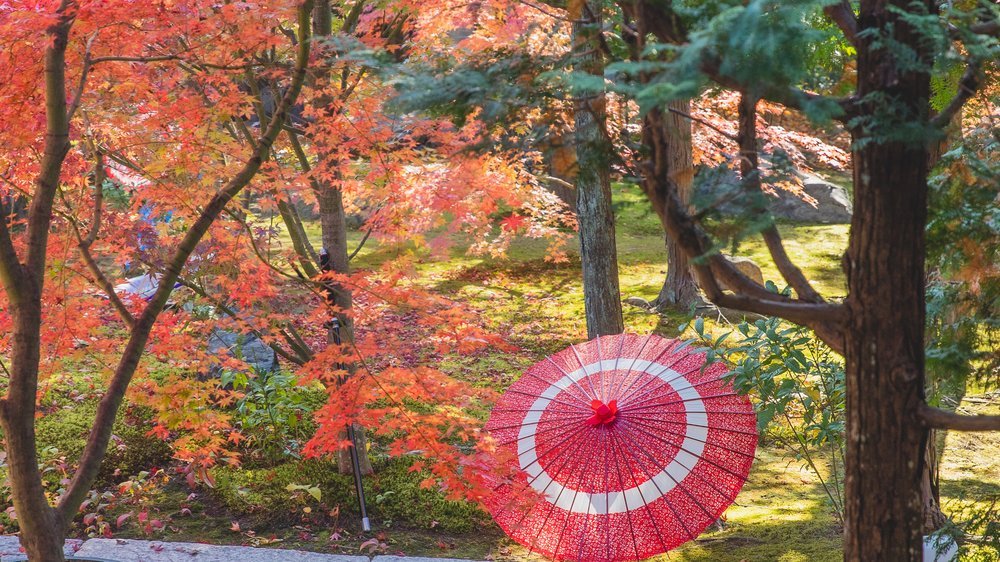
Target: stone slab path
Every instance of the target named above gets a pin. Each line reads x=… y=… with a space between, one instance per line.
x=128 y=550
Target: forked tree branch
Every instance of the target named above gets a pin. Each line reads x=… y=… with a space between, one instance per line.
x=824 y=318
x=84 y=244
x=100 y=434
x=750 y=172
x=937 y=418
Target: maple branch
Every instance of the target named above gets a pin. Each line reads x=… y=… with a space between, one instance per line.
x=85 y=243
x=936 y=418
x=56 y=148
x=99 y=178
x=967 y=87
x=361 y=244
x=750 y=171
x=82 y=83
x=164 y=58
x=228 y=311
x=842 y=14
x=105 y=285
x=100 y=435
x=10 y=264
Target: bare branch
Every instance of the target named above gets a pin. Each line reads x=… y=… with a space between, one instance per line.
x=705 y=123
x=967 y=87
x=842 y=15
x=361 y=244
x=750 y=170
x=937 y=418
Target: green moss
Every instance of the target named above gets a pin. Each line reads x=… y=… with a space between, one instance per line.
x=262 y=493
x=399 y=497
x=129 y=452
x=393 y=495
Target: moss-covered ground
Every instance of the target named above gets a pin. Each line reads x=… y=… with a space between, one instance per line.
x=781 y=515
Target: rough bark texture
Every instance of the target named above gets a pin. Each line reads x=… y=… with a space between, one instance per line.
x=679 y=289
x=884 y=340
x=333 y=226
x=598 y=254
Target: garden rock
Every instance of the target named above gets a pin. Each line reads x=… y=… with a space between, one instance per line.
x=832 y=202
x=833 y=205
x=247 y=347
x=747 y=267
x=156 y=551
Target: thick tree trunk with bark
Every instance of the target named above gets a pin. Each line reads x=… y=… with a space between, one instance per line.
x=884 y=339
x=598 y=253
x=679 y=289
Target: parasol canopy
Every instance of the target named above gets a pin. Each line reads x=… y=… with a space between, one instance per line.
x=625 y=447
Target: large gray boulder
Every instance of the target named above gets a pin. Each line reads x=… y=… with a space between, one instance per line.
x=833 y=204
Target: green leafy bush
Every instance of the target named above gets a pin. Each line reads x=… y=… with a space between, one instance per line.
x=275 y=414
x=797 y=385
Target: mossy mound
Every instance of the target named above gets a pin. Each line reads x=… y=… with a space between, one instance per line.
x=393 y=494
x=130 y=451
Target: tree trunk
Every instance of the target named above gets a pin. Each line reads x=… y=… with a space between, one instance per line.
x=42 y=530
x=598 y=254
x=333 y=226
x=885 y=356
x=884 y=340
x=679 y=289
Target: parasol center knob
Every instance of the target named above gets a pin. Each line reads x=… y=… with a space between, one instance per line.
x=604 y=414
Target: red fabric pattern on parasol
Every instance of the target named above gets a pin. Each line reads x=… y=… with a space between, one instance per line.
x=626 y=446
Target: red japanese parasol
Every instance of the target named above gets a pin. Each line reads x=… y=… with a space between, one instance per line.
x=626 y=446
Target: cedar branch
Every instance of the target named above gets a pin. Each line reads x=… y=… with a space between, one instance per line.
x=937 y=418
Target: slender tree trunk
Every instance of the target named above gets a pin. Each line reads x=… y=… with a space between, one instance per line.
x=679 y=289
x=333 y=226
x=598 y=254
x=884 y=340
x=42 y=531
